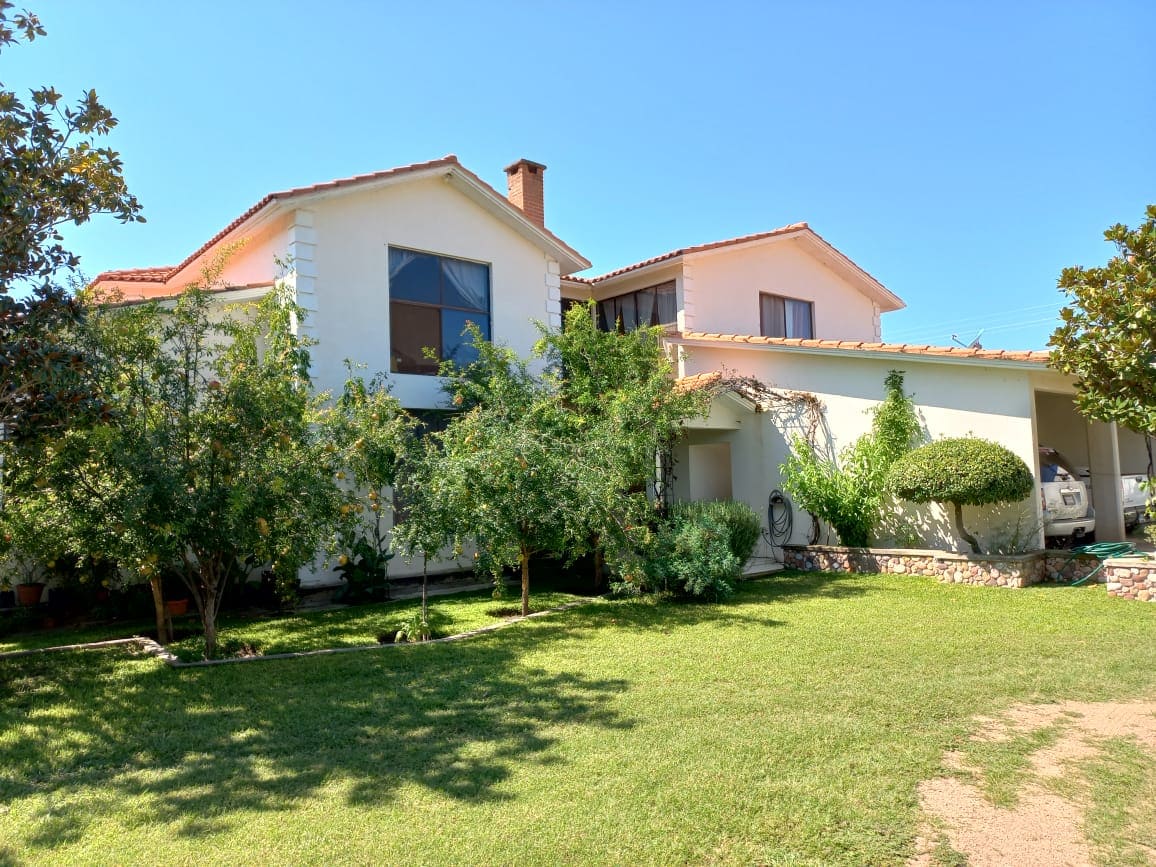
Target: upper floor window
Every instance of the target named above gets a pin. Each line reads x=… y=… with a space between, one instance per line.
x=654 y=305
x=431 y=298
x=786 y=317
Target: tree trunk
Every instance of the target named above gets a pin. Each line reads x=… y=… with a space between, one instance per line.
x=963 y=534
x=211 y=584
x=424 y=594
x=210 y=624
x=525 y=582
x=164 y=630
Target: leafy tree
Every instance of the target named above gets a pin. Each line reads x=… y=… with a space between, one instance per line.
x=51 y=174
x=371 y=434
x=509 y=475
x=1107 y=337
x=430 y=520
x=964 y=471
x=849 y=493
x=555 y=463
x=618 y=390
x=215 y=459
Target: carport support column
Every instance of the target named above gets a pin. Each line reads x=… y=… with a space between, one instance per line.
x=1104 y=465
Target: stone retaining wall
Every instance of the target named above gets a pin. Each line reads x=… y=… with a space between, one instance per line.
x=1131 y=578
x=1020 y=570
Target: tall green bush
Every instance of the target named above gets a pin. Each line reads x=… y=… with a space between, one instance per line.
x=699 y=550
x=741 y=521
x=849 y=493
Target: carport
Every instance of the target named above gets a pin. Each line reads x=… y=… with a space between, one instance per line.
x=1105 y=449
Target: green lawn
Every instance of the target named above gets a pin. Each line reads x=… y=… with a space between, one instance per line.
x=790 y=725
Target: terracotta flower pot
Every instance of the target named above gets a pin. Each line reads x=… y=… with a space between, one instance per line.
x=177 y=607
x=29 y=594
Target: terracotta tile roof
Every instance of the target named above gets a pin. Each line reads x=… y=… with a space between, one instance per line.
x=697 y=381
x=139 y=275
x=165 y=273
x=1035 y=356
x=699 y=248
x=160 y=293
x=749 y=388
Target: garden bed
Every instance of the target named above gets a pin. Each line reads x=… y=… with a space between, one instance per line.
x=994 y=570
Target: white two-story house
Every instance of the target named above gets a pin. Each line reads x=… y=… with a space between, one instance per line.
x=391 y=262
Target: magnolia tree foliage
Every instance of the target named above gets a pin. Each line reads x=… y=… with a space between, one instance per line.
x=1107 y=338
x=849 y=493
x=965 y=471
x=215 y=459
x=51 y=174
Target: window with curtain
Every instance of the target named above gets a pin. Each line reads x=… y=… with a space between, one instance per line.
x=654 y=305
x=431 y=299
x=786 y=317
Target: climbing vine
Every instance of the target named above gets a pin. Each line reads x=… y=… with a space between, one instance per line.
x=849 y=492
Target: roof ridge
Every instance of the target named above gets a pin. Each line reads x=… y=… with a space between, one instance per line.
x=697 y=248
x=167 y=272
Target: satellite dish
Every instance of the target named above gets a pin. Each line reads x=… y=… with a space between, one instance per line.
x=975 y=344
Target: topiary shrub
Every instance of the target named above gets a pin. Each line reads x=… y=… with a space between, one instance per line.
x=964 y=471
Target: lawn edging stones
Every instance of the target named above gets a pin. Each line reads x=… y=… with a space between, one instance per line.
x=153 y=648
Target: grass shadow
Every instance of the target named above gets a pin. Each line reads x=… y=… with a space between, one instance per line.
x=198 y=746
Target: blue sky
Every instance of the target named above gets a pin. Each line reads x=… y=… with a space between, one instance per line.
x=963 y=153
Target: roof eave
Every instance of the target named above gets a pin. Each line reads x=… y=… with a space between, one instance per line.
x=887 y=300
x=971 y=360
x=481 y=193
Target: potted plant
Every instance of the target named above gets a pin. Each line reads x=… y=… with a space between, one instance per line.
x=30 y=590
x=176 y=595
x=176 y=607
x=29 y=593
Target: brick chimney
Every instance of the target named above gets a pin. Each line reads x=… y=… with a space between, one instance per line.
x=524 y=179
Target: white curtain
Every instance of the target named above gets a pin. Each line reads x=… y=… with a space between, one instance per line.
x=645 y=306
x=667 y=307
x=469 y=281
x=398 y=260
x=799 y=319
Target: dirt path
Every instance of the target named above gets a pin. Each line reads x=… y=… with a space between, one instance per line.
x=1046 y=824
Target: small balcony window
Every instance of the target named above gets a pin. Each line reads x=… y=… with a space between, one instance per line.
x=786 y=317
x=654 y=305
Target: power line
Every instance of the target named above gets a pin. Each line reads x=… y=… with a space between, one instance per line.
x=975 y=321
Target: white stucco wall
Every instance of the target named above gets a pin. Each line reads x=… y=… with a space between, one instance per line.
x=347 y=237
x=353 y=234
x=951 y=399
x=725 y=287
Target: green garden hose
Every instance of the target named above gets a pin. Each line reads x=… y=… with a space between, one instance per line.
x=1102 y=550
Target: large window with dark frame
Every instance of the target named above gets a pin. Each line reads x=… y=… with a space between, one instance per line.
x=786 y=317
x=654 y=305
x=431 y=298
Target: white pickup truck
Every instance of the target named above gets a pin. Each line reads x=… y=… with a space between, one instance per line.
x=1065 y=494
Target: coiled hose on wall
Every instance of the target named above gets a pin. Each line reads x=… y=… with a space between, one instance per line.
x=780 y=519
x=1103 y=551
